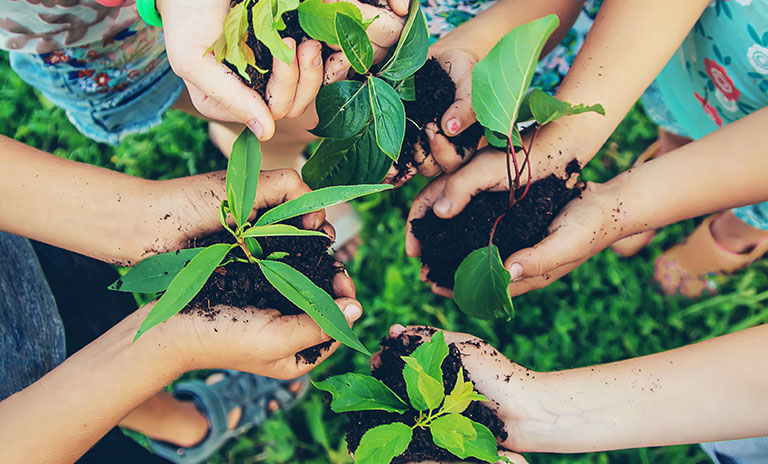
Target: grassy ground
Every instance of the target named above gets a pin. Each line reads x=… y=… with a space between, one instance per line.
x=606 y=310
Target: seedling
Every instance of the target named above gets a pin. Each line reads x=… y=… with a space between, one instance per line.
x=500 y=97
x=182 y=274
x=434 y=410
x=362 y=122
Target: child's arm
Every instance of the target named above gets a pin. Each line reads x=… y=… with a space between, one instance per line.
x=628 y=45
x=708 y=391
x=116 y=217
x=56 y=419
x=725 y=169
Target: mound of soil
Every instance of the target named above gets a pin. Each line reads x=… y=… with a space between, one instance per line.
x=241 y=284
x=390 y=372
x=435 y=93
x=446 y=242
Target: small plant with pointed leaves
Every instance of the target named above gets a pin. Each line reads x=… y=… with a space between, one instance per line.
x=436 y=411
x=501 y=98
x=181 y=274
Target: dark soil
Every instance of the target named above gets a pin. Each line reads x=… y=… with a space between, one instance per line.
x=446 y=242
x=240 y=284
x=435 y=93
x=390 y=372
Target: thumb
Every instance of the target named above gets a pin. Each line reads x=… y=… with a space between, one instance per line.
x=482 y=173
x=460 y=114
x=554 y=251
x=400 y=7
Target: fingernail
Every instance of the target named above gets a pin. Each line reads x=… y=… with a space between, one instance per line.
x=430 y=133
x=353 y=312
x=255 y=127
x=443 y=206
x=515 y=272
x=453 y=126
x=396 y=330
x=317 y=61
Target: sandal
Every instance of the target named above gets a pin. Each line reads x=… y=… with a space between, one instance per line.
x=630 y=246
x=252 y=393
x=684 y=268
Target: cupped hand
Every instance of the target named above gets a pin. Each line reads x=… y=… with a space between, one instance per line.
x=584 y=227
x=191 y=26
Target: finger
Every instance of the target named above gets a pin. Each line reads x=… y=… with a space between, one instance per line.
x=385 y=30
x=479 y=175
x=310 y=60
x=336 y=68
x=379 y=53
x=442 y=291
x=301 y=332
x=281 y=88
x=280 y=185
x=221 y=90
x=460 y=114
x=556 y=250
x=343 y=285
x=421 y=204
x=327 y=229
x=400 y=7
x=425 y=161
x=540 y=281
x=443 y=151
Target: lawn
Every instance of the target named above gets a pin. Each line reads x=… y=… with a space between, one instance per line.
x=607 y=310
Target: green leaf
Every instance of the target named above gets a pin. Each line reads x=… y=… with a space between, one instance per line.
x=546 y=108
x=317 y=200
x=253 y=247
x=231 y=44
x=318 y=18
x=358 y=392
x=407 y=89
x=481 y=285
x=451 y=431
x=388 y=117
x=428 y=393
x=281 y=230
x=483 y=446
x=276 y=255
x=462 y=394
x=313 y=300
x=343 y=109
x=243 y=176
x=267 y=23
x=495 y=139
x=381 y=444
x=354 y=43
x=185 y=286
x=411 y=51
x=347 y=162
x=154 y=274
x=429 y=356
x=501 y=79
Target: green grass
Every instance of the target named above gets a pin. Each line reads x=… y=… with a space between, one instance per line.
x=607 y=310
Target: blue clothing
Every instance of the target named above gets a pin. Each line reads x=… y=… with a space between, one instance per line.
x=749 y=451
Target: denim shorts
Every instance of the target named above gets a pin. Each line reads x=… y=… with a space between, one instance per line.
x=749 y=451
x=108 y=89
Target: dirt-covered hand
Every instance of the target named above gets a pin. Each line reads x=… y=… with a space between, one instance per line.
x=178 y=210
x=260 y=341
x=511 y=388
x=191 y=26
x=384 y=32
x=583 y=228
x=443 y=157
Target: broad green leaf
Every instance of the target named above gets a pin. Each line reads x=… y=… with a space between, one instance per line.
x=495 y=139
x=231 y=44
x=347 y=162
x=411 y=51
x=267 y=23
x=451 y=432
x=343 y=109
x=429 y=356
x=318 y=18
x=354 y=43
x=358 y=392
x=243 y=176
x=546 y=108
x=154 y=274
x=501 y=79
x=407 y=89
x=388 y=117
x=253 y=247
x=462 y=394
x=317 y=200
x=313 y=300
x=185 y=286
x=281 y=230
x=381 y=444
x=481 y=285
x=276 y=255
x=427 y=393
x=483 y=446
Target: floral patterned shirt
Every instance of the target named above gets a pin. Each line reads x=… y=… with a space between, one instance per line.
x=43 y=26
x=720 y=72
